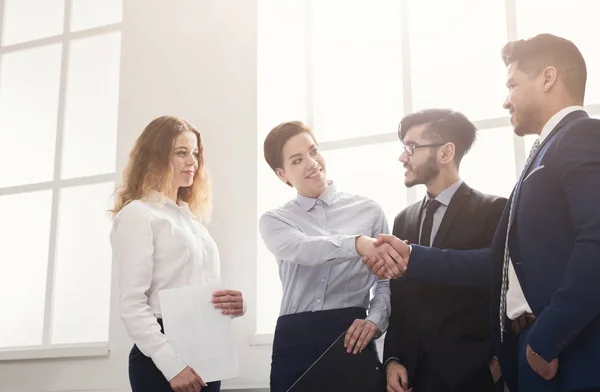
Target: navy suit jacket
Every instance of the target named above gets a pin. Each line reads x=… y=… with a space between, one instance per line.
x=554 y=243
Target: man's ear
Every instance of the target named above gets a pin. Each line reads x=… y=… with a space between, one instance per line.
x=550 y=76
x=448 y=152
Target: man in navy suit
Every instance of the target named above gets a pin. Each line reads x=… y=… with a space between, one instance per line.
x=544 y=262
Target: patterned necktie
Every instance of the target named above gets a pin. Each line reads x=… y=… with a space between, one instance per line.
x=507 y=261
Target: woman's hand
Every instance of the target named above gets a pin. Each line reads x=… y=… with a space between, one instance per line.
x=187 y=381
x=230 y=302
x=358 y=336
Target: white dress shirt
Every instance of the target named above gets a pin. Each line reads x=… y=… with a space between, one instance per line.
x=158 y=245
x=516 y=303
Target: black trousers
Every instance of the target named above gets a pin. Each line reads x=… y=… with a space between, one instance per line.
x=427 y=379
x=144 y=376
x=301 y=338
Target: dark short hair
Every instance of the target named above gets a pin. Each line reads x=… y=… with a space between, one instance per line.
x=443 y=126
x=532 y=55
x=278 y=137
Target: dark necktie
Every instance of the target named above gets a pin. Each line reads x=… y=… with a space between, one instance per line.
x=432 y=206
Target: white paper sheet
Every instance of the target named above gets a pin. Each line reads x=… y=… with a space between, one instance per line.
x=200 y=334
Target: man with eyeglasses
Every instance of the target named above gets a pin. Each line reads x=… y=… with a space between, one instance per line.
x=439 y=335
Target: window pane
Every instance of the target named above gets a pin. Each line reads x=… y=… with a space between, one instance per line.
x=571 y=20
x=26 y=20
x=357 y=68
x=29 y=86
x=281 y=65
x=24 y=235
x=87 y=14
x=90 y=135
x=455 y=56
x=490 y=165
x=372 y=171
x=83 y=265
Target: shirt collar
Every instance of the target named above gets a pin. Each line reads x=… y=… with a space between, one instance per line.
x=327 y=197
x=447 y=194
x=161 y=200
x=555 y=119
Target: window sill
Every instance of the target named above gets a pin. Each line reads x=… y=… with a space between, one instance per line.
x=55 y=351
x=261 y=339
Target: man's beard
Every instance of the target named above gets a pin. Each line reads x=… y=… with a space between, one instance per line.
x=425 y=173
x=528 y=123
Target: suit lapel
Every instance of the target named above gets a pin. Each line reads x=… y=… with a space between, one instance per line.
x=414 y=222
x=456 y=203
x=562 y=123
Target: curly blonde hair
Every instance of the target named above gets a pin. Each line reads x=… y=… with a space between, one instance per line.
x=150 y=169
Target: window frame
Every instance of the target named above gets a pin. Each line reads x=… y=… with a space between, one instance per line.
x=47 y=350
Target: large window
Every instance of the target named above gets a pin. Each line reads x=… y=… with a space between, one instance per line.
x=59 y=84
x=352 y=69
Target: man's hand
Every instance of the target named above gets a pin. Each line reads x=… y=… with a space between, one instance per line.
x=187 y=381
x=495 y=369
x=397 y=377
x=359 y=335
x=380 y=267
x=539 y=365
x=230 y=302
x=368 y=247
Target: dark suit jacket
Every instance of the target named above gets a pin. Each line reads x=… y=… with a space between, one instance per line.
x=554 y=243
x=448 y=323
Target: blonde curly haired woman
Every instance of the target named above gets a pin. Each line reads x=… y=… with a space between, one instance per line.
x=159 y=242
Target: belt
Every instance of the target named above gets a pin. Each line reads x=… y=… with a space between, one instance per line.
x=521 y=323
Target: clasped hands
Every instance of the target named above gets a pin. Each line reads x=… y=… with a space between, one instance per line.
x=387 y=256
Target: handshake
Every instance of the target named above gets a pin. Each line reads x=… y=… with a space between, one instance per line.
x=387 y=256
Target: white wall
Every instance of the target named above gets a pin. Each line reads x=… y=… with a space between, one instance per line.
x=196 y=60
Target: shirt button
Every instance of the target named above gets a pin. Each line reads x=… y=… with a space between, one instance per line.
x=322 y=279
x=318 y=300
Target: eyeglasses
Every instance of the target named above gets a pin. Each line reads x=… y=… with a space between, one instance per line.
x=409 y=149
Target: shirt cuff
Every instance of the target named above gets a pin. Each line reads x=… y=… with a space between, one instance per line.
x=390 y=359
x=168 y=362
x=381 y=324
x=348 y=248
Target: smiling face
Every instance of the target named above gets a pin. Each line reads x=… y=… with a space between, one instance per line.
x=525 y=100
x=184 y=160
x=303 y=166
